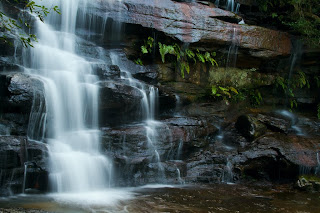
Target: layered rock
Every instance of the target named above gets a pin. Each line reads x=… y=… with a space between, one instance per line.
x=134 y=154
x=194 y=22
x=15 y=151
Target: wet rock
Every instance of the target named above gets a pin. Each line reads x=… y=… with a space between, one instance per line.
x=107 y=72
x=308 y=183
x=136 y=156
x=15 y=151
x=36 y=179
x=118 y=102
x=10 y=155
x=149 y=77
x=194 y=23
x=250 y=127
x=19 y=91
x=233 y=138
x=14 y=124
x=274 y=123
x=276 y=156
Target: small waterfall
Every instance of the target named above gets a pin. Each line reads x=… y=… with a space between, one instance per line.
x=179 y=154
x=227 y=176
x=71 y=105
x=180 y=180
x=230 y=5
x=294 y=122
x=24 y=177
x=233 y=49
x=238 y=8
x=148 y=111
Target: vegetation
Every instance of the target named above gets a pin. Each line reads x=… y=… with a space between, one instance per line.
x=301 y=16
x=9 y=25
x=289 y=86
x=181 y=56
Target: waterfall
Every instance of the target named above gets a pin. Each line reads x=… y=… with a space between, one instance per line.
x=230 y=5
x=148 y=111
x=71 y=104
x=233 y=49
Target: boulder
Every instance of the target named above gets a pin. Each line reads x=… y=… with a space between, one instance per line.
x=107 y=72
x=119 y=102
x=19 y=91
x=250 y=127
x=194 y=22
x=278 y=156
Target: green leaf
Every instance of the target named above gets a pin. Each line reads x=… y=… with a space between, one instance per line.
x=144 y=50
x=214 y=90
x=234 y=90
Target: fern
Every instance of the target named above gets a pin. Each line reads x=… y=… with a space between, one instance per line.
x=164 y=50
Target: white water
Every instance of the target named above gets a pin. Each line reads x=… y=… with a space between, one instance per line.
x=71 y=104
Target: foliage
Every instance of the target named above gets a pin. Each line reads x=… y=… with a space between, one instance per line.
x=288 y=86
x=319 y=111
x=182 y=56
x=317 y=79
x=10 y=25
x=225 y=92
x=302 y=16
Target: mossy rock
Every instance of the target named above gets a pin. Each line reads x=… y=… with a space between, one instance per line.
x=240 y=78
x=309 y=183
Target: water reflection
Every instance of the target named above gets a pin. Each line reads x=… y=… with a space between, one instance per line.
x=161 y=198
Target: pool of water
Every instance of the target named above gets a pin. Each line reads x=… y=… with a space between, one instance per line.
x=165 y=198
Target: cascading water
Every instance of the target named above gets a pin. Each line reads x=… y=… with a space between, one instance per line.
x=148 y=112
x=71 y=104
x=230 y=5
x=233 y=49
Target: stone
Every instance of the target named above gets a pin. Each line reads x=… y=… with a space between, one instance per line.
x=250 y=127
x=107 y=72
x=19 y=91
x=274 y=156
x=15 y=153
x=118 y=102
x=275 y=123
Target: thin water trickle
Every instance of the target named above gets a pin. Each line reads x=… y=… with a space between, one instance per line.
x=180 y=180
x=230 y=5
x=148 y=112
x=233 y=49
x=237 y=8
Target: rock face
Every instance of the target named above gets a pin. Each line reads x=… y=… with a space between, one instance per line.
x=18 y=91
x=118 y=102
x=135 y=157
x=193 y=22
x=15 y=151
